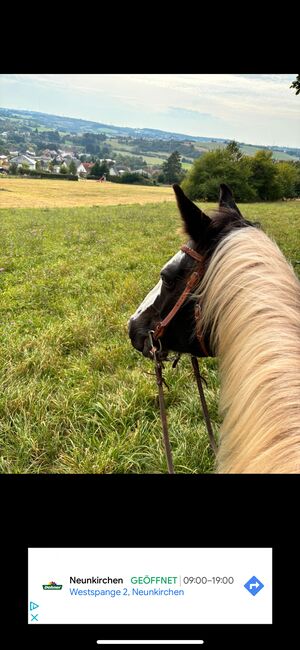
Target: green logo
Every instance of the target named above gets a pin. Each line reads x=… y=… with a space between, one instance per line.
x=52 y=585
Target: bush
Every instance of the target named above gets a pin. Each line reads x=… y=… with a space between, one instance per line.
x=131 y=178
x=289 y=179
x=257 y=178
x=38 y=174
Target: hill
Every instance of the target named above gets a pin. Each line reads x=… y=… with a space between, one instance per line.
x=27 y=122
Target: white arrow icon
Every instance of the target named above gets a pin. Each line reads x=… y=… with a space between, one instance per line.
x=254 y=584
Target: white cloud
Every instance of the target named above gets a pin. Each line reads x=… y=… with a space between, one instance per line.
x=229 y=99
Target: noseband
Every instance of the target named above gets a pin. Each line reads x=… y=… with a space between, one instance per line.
x=191 y=283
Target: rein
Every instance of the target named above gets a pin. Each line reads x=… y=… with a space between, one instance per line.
x=154 y=351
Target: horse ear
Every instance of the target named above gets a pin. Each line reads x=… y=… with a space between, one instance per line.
x=195 y=221
x=226 y=199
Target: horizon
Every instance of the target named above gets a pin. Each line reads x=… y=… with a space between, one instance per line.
x=71 y=117
x=261 y=110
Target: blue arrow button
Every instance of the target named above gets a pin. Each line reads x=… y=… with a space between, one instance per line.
x=254 y=585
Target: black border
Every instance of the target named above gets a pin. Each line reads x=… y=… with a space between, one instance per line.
x=146 y=510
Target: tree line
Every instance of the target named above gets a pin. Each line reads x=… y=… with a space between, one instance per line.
x=251 y=178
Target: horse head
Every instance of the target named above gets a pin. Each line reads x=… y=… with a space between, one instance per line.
x=204 y=232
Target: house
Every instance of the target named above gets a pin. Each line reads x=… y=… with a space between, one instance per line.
x=20 y=160
x=88 y=166
x=81 y=169
x=70 y=158
x=44 y=162
x=108 y=160
x=47 y=153
x=66 y=154
x=143 y=172
x=4 y=161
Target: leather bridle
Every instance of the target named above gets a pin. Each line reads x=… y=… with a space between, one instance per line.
x=155 y=335
x=192 y=281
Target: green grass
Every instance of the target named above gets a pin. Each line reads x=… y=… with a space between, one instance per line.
x=150 y=159
x=74 y=395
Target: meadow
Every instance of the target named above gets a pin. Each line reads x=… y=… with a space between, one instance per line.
x=43 y=193
x=75 y=397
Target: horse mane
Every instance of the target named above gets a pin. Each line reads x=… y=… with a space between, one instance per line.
x=250 y=299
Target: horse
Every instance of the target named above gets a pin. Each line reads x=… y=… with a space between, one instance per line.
x=248 y=297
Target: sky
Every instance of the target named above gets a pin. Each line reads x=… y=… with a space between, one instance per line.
x=257 y=109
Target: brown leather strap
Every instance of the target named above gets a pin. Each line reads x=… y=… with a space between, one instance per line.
x=191 y=283
x=209 y=428
x=192 y=253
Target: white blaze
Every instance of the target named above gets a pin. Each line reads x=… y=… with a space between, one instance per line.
x=155 y=292
x=149 y=300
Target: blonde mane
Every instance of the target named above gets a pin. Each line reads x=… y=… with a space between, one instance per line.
x=250 y=297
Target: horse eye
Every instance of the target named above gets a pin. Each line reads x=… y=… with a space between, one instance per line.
x=167 y=282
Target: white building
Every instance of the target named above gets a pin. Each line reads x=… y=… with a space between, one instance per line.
x=19 y=160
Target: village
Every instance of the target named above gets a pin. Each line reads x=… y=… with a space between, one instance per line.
x=65 y=161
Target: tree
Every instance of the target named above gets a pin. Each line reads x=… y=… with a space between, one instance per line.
x=105 y=167
x=99 y=169
x=216 y=167
x=296 y=84
x=288 y=177
x=172 y=169
x=72 y=167
x=13 y=168
x=63 y=169
x=96 y=170
x=264 y=176
x=234 y=150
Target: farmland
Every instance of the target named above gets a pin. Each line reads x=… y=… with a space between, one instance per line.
x=75 y=396
x=44 y=193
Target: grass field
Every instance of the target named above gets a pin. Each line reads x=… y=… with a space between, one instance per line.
x=44 y=193
x=75 y=397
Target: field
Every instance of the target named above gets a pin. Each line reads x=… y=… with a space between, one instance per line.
x=202 y=146
x=75 y=397
x=248 y=150
x=44 y=193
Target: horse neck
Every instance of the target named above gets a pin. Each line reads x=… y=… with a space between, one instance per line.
x=251 y=302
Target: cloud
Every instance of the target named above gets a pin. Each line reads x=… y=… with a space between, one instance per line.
x=224 y=105
x=178 y=111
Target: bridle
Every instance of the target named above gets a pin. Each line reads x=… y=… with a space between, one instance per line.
x=155 y=336
x=191 y=283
